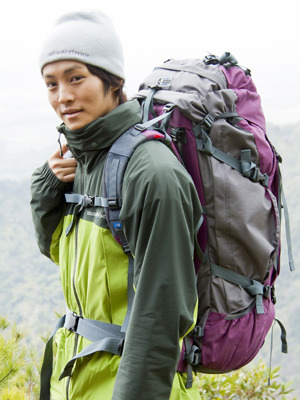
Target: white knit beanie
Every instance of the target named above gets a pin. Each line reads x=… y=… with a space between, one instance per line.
x=88 y=37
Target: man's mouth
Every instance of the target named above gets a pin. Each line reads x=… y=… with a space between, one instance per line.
x=71 y=113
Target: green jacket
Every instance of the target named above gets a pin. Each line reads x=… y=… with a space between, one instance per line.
x=160 y=213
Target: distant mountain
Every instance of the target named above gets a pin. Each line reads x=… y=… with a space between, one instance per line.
x=30 y=292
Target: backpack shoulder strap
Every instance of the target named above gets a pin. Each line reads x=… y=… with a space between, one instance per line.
x=113 y=174
x=111 y=200
x=114 y=170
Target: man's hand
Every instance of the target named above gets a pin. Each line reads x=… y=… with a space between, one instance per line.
x=63 y=168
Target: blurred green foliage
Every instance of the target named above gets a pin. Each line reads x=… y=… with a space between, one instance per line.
x=19 y=375
x=255 y=382
x=19 y=368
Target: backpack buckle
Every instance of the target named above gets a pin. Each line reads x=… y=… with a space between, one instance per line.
x=267 y=291
x=71 y=321
x=211 y=59
x=193 y=357
x=126 y=248
x=207 y=122
x=88 y=201
x=113 y=203
x=273 y=296
x=198 y=331
x=169 y=107
x=178 y=135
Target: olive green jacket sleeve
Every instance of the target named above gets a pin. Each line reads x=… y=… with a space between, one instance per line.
x=47 y=206
x=160 y=213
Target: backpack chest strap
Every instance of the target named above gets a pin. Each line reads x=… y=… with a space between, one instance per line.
x=88 y=201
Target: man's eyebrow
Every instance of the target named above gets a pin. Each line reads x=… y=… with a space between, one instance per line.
x=73 y=68
x=66 y=72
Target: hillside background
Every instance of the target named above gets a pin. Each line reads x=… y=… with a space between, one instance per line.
x=30 y=292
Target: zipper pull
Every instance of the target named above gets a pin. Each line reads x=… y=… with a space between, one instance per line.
x=59 y=142
x=77 y=210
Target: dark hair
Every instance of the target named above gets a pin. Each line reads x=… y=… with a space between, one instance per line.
x=109 y=80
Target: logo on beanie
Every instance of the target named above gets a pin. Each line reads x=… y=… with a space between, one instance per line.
x=68 y=52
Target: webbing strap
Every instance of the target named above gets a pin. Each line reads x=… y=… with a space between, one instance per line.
x=94 y=330
x=46 y=370
x=245 y=166
x=105 y=337
x=152 y=122
x=197 y=247
x=287 y=231
x=148 y=104
x=110 y=344
x=189 y=358
x=253 y=287
x=130 y=293
x=85 y=200
x=284 y=345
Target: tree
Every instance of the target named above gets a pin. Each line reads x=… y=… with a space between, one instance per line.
x=19 y=366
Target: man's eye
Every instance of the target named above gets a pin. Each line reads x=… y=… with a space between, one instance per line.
x=50 y=85
x=76 y=78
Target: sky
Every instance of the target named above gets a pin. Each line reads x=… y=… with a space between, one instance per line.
x=263 y=35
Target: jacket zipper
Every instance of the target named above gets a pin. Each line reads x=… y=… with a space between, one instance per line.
x=77 y=300
x=75 y=268
x=74 y=354
x=74 y=274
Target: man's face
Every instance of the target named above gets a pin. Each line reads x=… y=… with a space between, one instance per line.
x=77 y=96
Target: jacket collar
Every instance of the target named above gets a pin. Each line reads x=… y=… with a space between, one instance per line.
x=101 y=133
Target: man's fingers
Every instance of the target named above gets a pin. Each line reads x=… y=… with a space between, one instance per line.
x=63 y=168
x=68 y=171
x=69 y=162
x=68 y=178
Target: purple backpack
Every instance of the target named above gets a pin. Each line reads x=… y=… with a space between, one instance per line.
x=218 y=128
x=209 y=113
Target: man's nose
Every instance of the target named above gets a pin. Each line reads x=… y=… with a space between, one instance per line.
x=65 y=94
